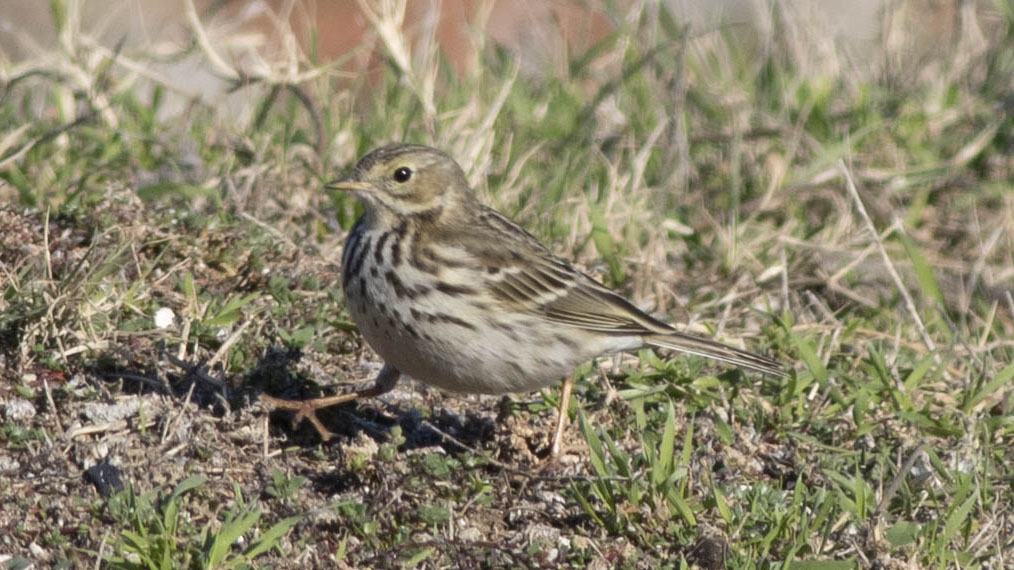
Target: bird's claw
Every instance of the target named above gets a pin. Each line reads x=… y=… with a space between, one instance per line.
x=304 y=411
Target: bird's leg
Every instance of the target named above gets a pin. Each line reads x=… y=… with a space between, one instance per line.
x=561 y=421
x=307 y=409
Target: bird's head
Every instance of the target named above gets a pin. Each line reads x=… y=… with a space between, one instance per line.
x=404 y=180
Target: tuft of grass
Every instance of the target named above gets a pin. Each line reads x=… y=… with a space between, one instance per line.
x=157 y=535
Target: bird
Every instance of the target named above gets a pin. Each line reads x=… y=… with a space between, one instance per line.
x=450 y=292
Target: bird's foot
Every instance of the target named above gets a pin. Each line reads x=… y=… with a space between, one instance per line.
x=305 y=410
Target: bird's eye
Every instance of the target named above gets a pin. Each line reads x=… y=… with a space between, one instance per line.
x=402 y=174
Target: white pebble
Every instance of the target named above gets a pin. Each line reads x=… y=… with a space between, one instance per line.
x=19 y=409
x=164 y=317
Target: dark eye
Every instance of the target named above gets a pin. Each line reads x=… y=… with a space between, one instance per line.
x=403 y=174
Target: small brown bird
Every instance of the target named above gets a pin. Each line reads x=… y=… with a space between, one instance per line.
x=452 y=293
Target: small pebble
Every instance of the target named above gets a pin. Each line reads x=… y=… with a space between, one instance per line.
x=100 y=412
x=19 y=409
x=164 y=317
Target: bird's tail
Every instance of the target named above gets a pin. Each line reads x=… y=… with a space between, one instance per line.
x=715 y=350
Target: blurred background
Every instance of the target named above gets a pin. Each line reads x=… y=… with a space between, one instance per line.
x=869 y=37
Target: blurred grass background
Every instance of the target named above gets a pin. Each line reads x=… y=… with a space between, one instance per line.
x=828 y=183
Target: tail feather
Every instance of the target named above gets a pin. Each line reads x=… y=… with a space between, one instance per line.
x=717 y=351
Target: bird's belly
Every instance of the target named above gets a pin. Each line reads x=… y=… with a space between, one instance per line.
x=461 y=358
x=456 y=341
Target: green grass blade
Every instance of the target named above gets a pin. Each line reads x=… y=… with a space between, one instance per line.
x=269 y=538
x=666 y=448
x=1002 y=378
x=234 y=526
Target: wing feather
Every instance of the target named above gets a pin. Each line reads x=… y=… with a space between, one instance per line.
x=527 y=278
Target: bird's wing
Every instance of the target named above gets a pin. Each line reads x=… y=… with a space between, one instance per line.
x=527 y=278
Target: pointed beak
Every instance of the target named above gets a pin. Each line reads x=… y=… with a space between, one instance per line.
x=345 y=185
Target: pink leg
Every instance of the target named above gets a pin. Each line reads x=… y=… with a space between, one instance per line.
x=561 y=421
x=307 y=409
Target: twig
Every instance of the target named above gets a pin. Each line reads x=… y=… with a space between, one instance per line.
x=909 y=303
x=486 y=456
x=154 y=384
x=196 y=371
x=176 y=418
x=45 y=249
x=892 y=488
x=532 y=474
x=207 y=48
x=1010 y=302
x=52 y=405
x=978 y=267
x=43 y=138
x=271 y=230
x=117 y=425
x=224 y=349
x=100 y=555
x=318 y=123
